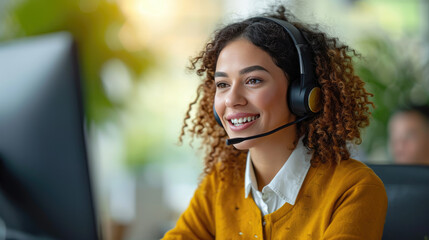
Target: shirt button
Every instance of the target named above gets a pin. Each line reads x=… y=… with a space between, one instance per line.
x=264 y=197
x=240 y=233
x=256 y=236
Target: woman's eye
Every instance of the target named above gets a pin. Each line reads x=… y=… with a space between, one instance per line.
x=254 y=81
x=221 y=85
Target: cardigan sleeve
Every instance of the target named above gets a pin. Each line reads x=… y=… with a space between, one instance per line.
x=197 y=222
x=360 y=213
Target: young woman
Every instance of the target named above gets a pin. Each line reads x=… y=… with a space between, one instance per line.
x=296 y=182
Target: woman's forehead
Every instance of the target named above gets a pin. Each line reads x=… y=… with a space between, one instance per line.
x=240 y=54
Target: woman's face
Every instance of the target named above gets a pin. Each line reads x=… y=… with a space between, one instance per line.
x=250 y=93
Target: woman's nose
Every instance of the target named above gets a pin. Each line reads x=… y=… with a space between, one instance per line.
x=235 y=97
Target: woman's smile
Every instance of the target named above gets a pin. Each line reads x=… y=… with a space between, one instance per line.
x=241 y=121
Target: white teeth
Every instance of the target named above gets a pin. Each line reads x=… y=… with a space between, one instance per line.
x=241 y=121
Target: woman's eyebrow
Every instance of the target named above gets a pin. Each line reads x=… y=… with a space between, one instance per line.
x=243 y=71
x=252 y=68
x=220 y=74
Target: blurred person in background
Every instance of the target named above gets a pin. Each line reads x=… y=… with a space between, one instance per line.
x=409 y=135
x=296 y=181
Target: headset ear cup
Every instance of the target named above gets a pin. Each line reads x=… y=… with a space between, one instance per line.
x=217 y=116
x=304 y=101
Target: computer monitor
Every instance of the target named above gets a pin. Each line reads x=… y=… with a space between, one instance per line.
x=45 y=183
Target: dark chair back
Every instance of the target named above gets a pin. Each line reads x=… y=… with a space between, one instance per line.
x=407 y=188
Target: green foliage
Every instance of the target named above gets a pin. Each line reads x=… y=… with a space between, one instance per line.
x=394 y=73
x=89 y=21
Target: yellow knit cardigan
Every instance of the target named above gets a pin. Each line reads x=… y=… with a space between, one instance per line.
x=337 y=201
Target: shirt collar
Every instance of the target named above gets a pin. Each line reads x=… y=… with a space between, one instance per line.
x=249 y=177
x=288 y=181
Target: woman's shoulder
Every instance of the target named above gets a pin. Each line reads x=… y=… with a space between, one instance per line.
x=348 y=173
x=353 y=172
x=347 y=178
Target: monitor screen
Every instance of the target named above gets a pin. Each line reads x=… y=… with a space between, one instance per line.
x=45 y=187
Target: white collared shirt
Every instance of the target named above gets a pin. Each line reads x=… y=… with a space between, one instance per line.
x=284 y=187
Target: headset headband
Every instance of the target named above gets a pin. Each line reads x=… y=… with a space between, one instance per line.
x=305 y=53
x=304 y=95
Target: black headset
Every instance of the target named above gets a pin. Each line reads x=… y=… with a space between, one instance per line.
x=304 y=95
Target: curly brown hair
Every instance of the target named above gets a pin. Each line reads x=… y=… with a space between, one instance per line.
x=344 y=99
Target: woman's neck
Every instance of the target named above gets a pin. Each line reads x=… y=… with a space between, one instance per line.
x=270 y=155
